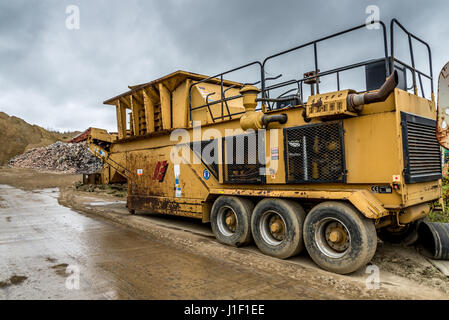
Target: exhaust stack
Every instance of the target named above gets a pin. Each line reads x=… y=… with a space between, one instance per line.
x=358 y=100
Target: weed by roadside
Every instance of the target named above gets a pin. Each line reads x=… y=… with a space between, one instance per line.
x=116 y=190
x=441 y=213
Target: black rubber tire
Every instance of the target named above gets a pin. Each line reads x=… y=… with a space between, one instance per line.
x=362 y=233
x=243 y=209
x=407 y=236
x=293 y=215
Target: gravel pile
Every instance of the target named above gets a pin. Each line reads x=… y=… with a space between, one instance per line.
x=60 y=156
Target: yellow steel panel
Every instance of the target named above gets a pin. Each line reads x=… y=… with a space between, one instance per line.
x=101 y=135
x=165 y=106
x=180 y=105
x=121 y=120
x=149 y=111
x=410 y=103
x=379 y=107
x=135 y=115
x=361 y=199
x=166 y=205
x=275 y=169
x=369 y=205
x=415 y=193
x=372 y=148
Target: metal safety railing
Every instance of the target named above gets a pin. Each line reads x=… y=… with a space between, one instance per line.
x=313 y=79
x=412 y=68
x=317 y=73
x=224 y=100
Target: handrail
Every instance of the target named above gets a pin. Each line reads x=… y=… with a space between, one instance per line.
x=412 y=68
x=315 y=51
x=220 y=75
x=389 y=66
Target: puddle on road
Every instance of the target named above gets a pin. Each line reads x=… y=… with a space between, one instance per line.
x=12 y=281
x=61 y=269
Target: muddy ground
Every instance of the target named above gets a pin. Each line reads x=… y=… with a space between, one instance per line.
x=29 y=179
x=162 y=257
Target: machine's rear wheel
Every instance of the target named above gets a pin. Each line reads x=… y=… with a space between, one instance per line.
x=338 y=238
x=277 y=227
x=230 y=220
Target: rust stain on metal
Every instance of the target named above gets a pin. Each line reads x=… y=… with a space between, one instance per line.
x=442 y=127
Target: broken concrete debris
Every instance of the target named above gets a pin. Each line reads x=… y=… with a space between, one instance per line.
x=59 y=156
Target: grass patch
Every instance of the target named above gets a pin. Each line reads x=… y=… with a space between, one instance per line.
x=117 y=190
x=441 y=213
x=439 y=216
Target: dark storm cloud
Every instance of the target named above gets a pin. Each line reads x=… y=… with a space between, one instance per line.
x=58 y=78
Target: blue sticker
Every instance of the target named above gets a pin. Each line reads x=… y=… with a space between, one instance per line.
x=206 y=174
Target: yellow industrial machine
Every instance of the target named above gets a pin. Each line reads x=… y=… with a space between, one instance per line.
x=99 y=142
x=326 y=174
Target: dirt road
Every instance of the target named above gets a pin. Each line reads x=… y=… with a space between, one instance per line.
x=42 y=243
x=52 y=252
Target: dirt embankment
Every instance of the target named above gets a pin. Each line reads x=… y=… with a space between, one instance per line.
x=18 y=136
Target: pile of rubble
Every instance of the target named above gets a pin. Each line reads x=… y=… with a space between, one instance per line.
x=63 y=157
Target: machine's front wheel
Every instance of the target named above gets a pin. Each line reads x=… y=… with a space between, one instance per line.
x=338 y=238
x=230 y=220
x=277 y=227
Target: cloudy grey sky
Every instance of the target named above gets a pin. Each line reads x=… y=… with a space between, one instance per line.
x=57 y=78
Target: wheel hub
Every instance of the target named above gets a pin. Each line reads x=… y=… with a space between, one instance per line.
x=337 y=236
x=231 y=221
x=272 y=228
x=277 y=228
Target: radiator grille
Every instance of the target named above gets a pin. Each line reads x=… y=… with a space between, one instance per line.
x=422 y=155
x=315 y=153
x=242 y=155
x=207 y=151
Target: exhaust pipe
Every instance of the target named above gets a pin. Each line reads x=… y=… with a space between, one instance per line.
x=281 y=118
x=434 y=240
x=357 y=100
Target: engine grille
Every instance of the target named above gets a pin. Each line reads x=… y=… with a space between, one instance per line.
x=315 y=153
x=241 y=158
x=422 y=155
